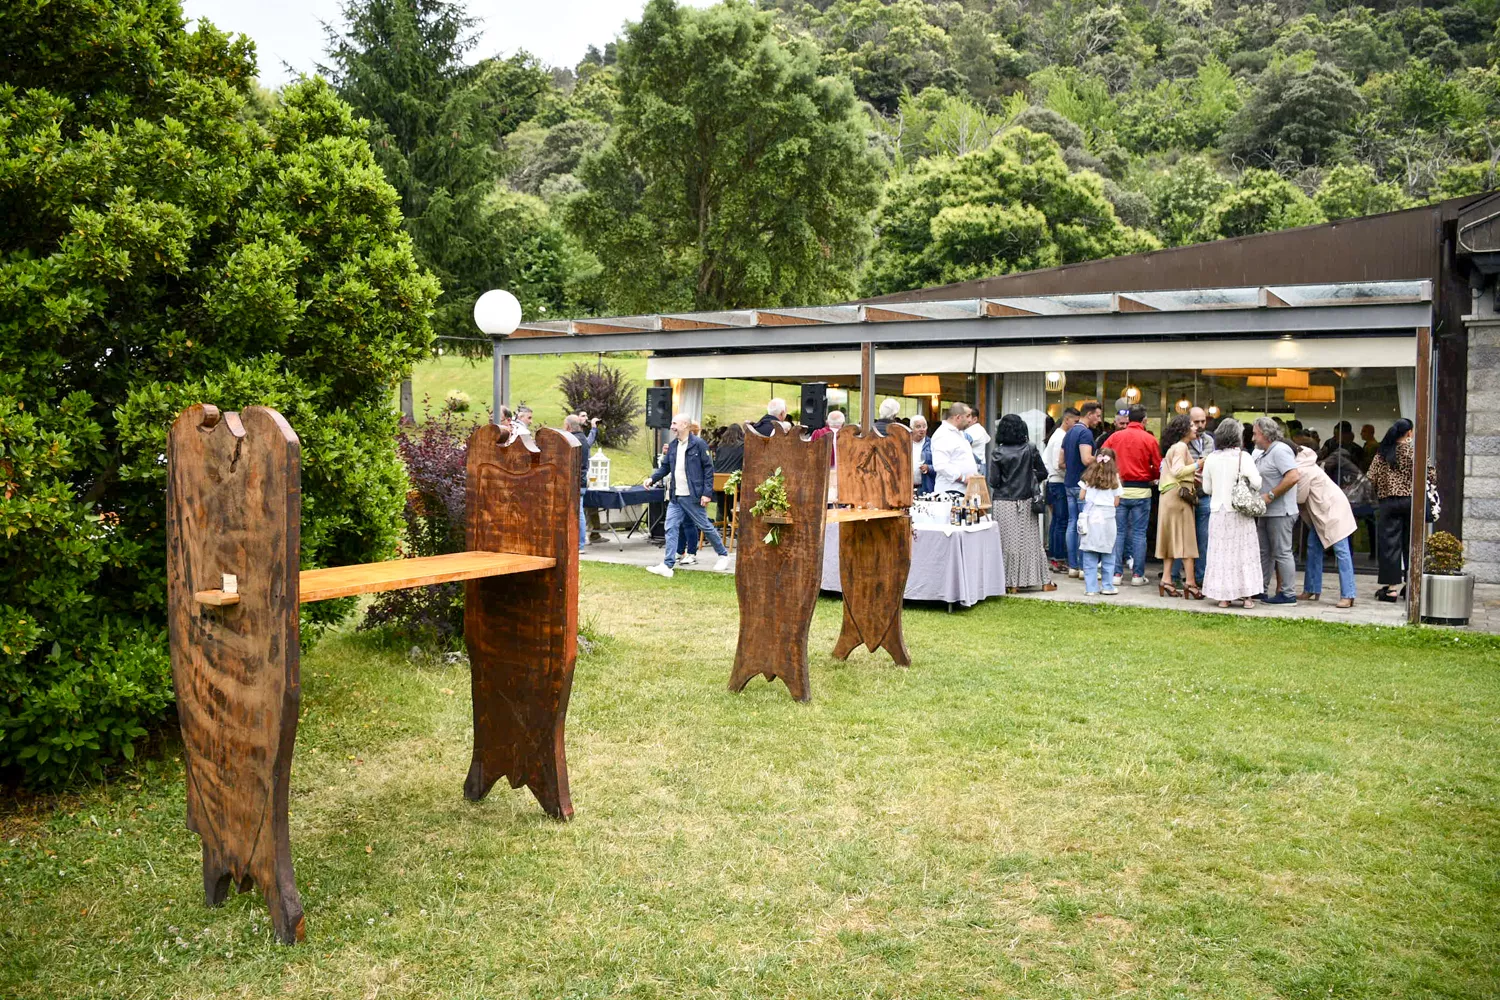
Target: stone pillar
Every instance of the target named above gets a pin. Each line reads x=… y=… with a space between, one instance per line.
x=1026 y=393
x=1481 y=471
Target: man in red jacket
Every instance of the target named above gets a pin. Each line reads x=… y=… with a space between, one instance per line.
x=1138 y=456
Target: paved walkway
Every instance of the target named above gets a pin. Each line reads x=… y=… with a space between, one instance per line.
x=1366 y=611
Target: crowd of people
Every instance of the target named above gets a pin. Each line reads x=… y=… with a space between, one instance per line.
x=1227 y=500
x=1226 y=497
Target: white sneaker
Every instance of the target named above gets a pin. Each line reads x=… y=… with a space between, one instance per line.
x=688 y=560
x=722 y=564
x=660 y=569
x=1118 y=578
x=1075 y=574
x=1138 y=581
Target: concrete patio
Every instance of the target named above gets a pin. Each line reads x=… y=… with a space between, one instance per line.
x=638 y=551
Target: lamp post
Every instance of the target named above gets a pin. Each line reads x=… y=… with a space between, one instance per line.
x=497 y=313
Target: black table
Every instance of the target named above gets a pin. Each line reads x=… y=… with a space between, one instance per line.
x=636 y=501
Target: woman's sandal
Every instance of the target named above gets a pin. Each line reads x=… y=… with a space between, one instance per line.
x=1192 y=592
x=1249 y=603
x=1223 y=604
x=1165 y=589
x=1384 y=594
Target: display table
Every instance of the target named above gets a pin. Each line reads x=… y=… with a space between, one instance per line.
x=634 y=500
x=956 y=565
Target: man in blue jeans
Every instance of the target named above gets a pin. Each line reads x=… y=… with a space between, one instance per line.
x=574 y=423
x=1057 y=492
x=1077 y=455
x=689 y=474
x=1139 y=457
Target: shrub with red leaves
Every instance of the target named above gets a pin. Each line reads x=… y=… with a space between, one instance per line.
x=606 y=393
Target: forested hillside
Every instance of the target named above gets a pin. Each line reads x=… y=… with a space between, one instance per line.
x=795 y=152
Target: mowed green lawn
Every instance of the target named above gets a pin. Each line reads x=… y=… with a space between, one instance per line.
x=1053 y=801
x=534 y=382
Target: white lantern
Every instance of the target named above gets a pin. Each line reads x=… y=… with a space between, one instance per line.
x=599 y=471
x=497 y=313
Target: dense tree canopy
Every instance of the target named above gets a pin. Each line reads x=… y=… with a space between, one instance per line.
x=1012 y=207
x=163 y=246
x=736 y=176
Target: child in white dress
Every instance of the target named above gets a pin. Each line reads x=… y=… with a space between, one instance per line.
x=1099 y=491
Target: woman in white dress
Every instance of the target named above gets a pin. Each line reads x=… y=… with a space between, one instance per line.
x=1234 y=572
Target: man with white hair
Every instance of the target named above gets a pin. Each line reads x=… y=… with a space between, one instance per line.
x=775 y=414
x=522 y=422
x=1277 y=464
x=921 y=455
x=888 y=410
x=689 y=473
x=952 y=454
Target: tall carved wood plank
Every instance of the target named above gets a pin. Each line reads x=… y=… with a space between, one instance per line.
x=874 y=556
x=522 y=630
x=874 y=560
x=777 y=584
x=234 y=506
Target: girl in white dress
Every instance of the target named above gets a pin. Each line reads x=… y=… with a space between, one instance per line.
x=1099 y=491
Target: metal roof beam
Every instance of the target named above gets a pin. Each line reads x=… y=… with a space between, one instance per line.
x=1295 y=321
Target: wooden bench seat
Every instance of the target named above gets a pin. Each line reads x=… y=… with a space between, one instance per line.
x=840 y=515
x=396 y=574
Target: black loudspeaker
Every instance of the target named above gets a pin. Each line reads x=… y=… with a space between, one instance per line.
x=659 y=406
x=814 y=405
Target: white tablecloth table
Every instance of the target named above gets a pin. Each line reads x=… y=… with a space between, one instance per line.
x=958 y=565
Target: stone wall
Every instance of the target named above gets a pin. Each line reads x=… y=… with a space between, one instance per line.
x=1481 y=479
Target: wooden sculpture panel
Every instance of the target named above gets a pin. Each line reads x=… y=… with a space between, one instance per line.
x=522 y=630
x=875 y=468
x=234 y=506
x=874 y=555
x=777 y=584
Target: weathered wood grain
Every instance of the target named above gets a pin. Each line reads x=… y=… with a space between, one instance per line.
x=234 y=506
x=522 y=630
x=874 y=553
x=777 y=585
x=875 y=468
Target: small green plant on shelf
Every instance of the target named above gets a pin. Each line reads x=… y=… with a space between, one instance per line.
x=1445 y=554
x=732 y=484
x=771 y=499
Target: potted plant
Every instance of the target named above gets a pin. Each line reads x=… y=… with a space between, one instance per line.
x=1447 y=591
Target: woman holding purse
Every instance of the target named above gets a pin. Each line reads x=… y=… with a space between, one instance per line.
x=1177 y=518
x=1015 y=477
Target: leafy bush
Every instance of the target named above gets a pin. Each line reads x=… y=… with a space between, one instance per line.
x=169 y=240
x=1444 y=554
x=457 y=401
x=435 y=515
x=606 y=393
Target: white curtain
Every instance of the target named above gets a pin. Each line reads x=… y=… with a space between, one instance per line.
x=688 y=398
x=1406 y=392
x=1025 y=393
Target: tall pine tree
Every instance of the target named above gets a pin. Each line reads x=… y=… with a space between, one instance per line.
x=436 y=126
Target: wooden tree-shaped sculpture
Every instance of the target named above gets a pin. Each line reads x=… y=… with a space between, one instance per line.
x=233 y=590
x=777 y=584
x=874 y=552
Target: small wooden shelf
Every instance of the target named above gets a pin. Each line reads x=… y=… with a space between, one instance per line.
x=840 y=515
x=215 y=598
x=776 y=518
x=396 y=574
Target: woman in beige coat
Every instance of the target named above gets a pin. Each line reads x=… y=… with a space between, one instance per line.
x=1331 y=521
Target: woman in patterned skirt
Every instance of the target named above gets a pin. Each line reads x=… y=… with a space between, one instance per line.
x=1234 y=571
x=1016 y=472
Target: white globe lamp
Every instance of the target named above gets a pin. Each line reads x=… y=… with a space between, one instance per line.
x=497 y=313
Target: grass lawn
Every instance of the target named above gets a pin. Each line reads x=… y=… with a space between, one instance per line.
x=534 y=382
x=1053 y=801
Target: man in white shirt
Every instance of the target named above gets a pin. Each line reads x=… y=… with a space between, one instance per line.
x=952 y=454
x=522 y=422
x=1057 y=493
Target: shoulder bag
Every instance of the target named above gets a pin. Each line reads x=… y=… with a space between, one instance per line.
x=1243 y=497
